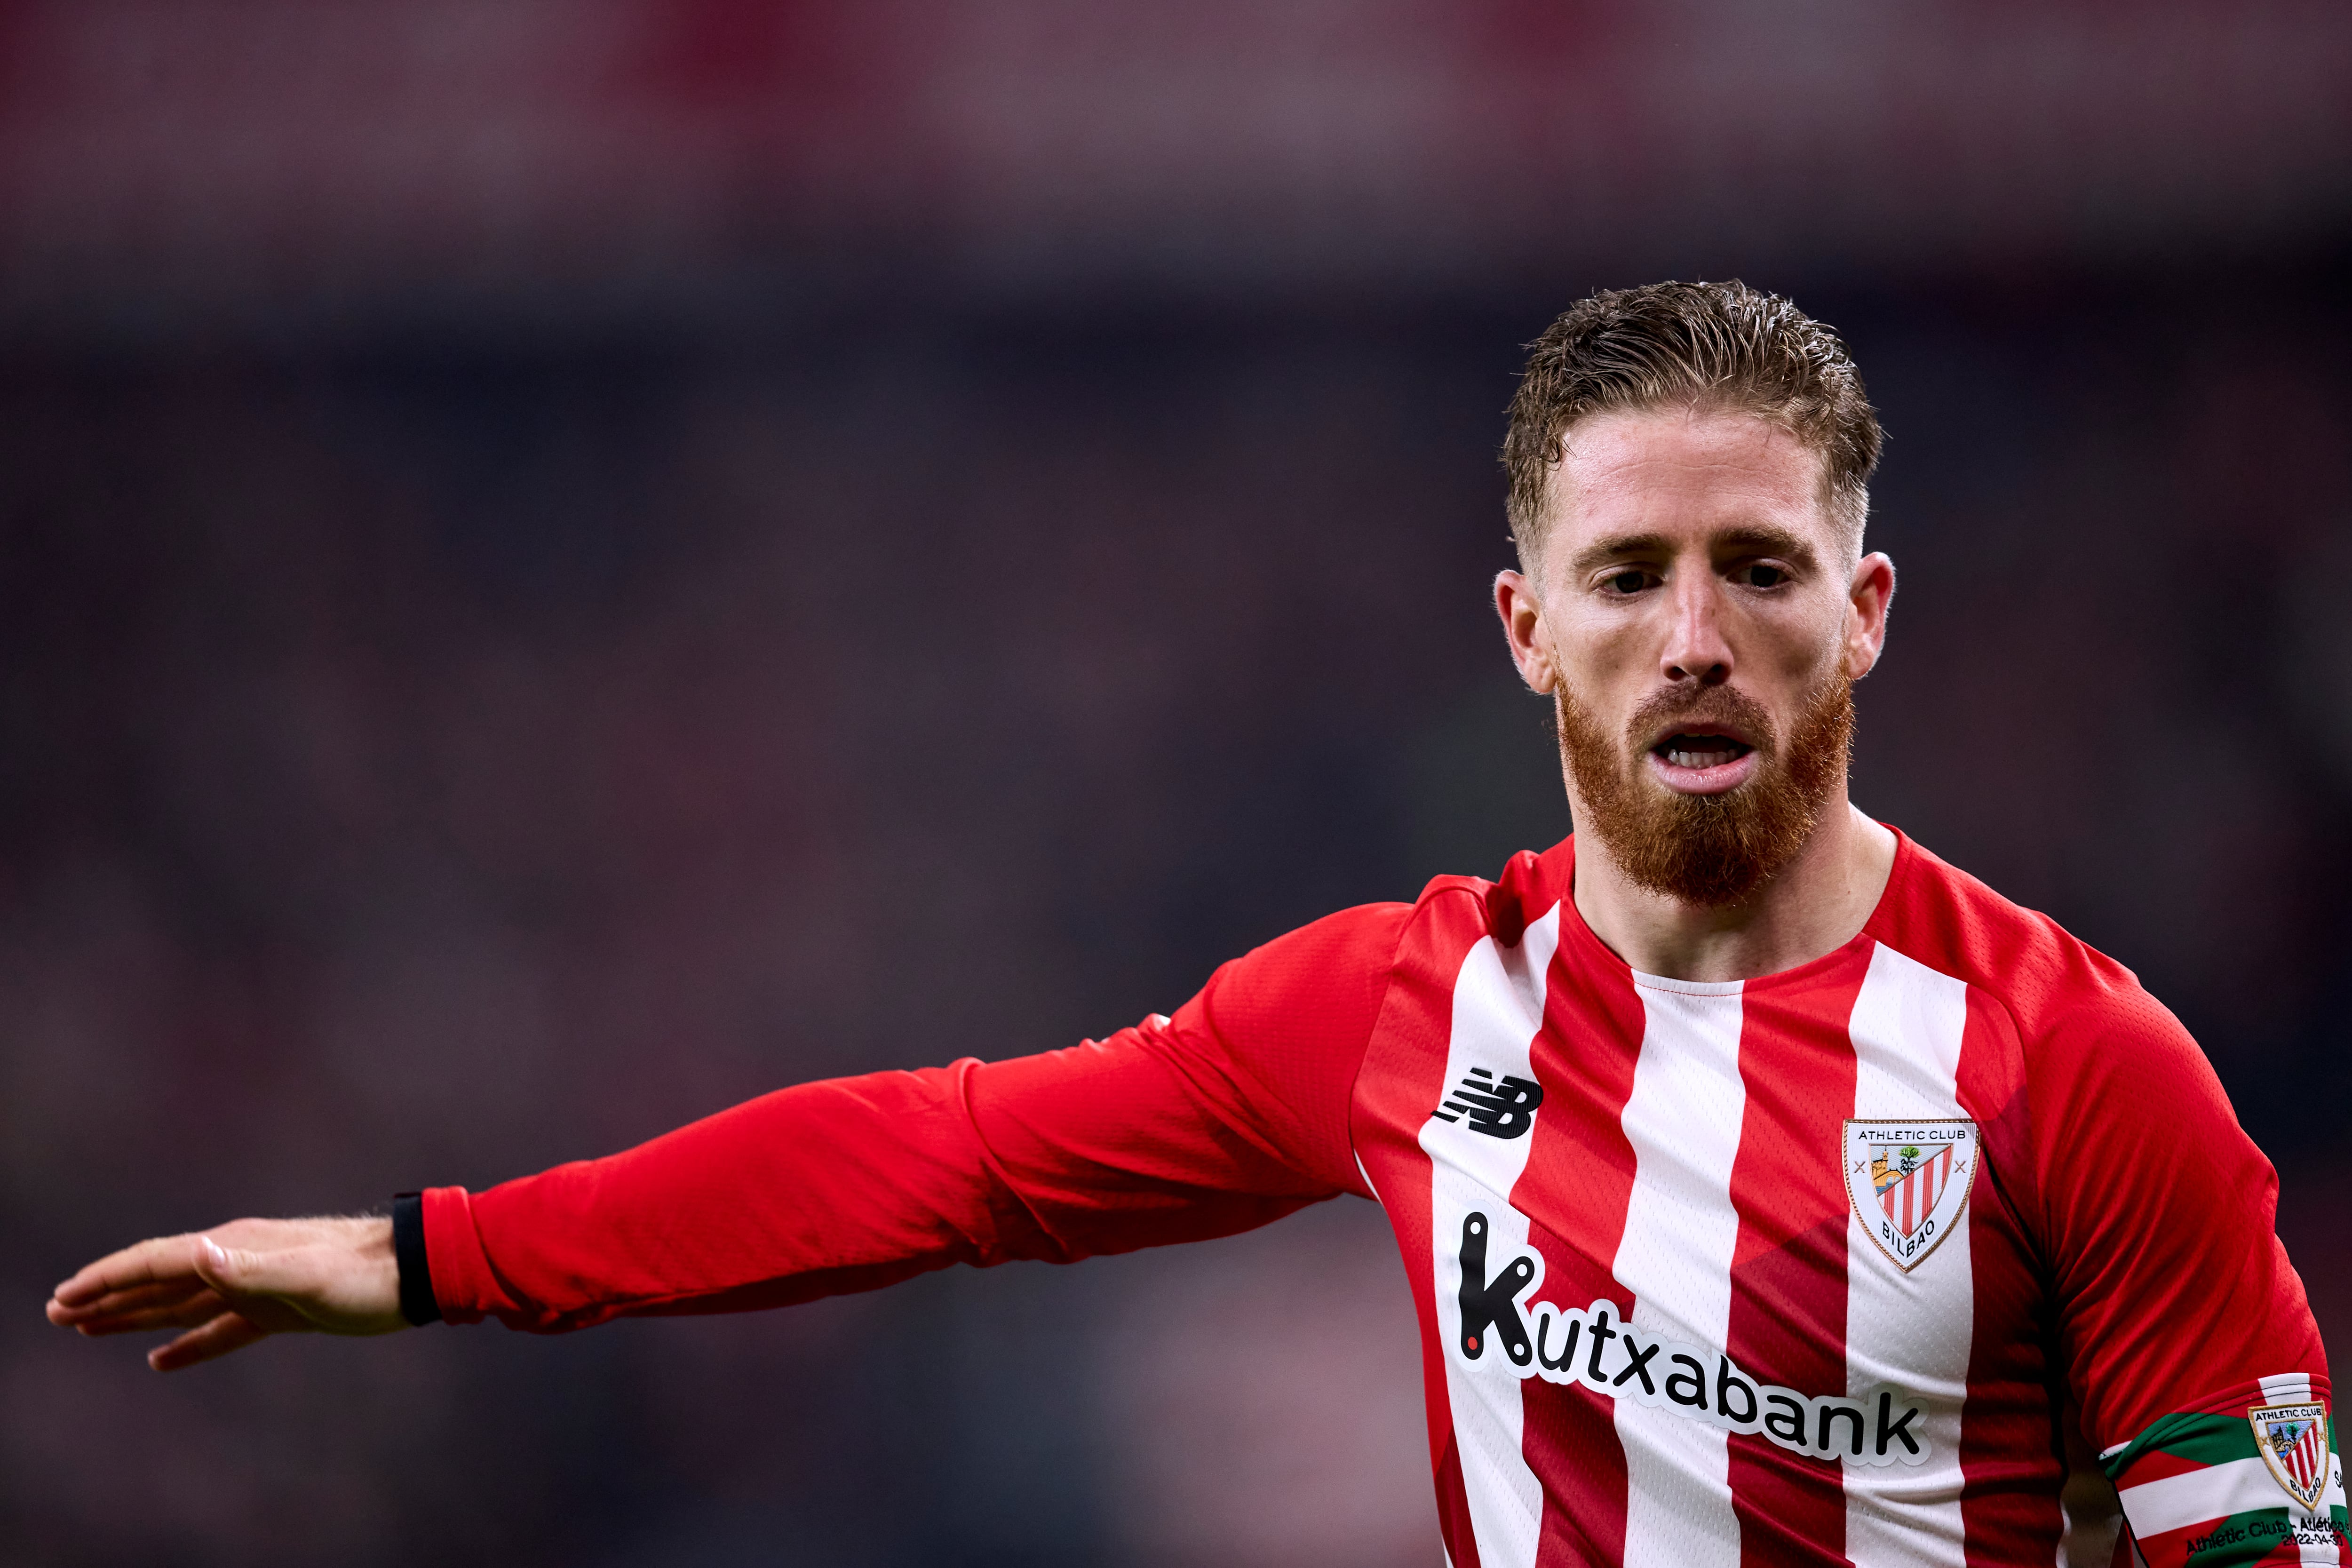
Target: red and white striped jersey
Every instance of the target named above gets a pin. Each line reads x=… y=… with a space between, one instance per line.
x=1945 y=1249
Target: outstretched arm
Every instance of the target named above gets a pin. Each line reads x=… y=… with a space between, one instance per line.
x=238 y=1283
x=1230 y=1114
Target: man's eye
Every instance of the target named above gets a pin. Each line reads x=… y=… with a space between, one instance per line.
x=1766 y=576
x=1629 y=581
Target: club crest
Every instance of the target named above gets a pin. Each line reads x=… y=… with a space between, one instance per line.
x=1909 y=1181
x=2293 y=1442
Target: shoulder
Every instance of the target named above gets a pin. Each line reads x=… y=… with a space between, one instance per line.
x=1464 y=910
x=2049 y=984
x=2063 y=1041
x=1332 y=960
x=1346 y=961
x=2106 y=1115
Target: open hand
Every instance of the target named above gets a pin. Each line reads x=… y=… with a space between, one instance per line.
x=237 y=1283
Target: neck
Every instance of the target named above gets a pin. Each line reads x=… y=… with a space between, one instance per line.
x=1815 y=904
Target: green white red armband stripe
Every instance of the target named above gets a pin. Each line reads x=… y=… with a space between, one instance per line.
x=2220 y=1487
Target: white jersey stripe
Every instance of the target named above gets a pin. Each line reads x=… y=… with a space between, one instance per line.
x=1683 y=1120
x=1914 y=1330
x=1498 y=1005
x=2287 y=1388
x=2217 y=1492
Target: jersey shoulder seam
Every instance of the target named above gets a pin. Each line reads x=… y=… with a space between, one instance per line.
x=1379 y=1011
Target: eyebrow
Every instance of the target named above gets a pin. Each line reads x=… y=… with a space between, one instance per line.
x=1621 y=546
x=1777 y=540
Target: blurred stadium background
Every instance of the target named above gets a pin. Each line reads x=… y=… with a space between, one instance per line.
x=564 y=562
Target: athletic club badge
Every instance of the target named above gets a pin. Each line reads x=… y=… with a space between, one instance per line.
x=2294 y=1441
x=1910 y=1181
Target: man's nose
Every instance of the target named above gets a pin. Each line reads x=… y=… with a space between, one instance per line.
x=1696 y=647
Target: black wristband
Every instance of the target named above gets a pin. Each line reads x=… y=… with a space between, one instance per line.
x=416 y=1301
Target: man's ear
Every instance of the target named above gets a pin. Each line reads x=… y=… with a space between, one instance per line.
x=1523 y=628
x=1867 y=600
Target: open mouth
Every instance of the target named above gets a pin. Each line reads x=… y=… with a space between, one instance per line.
x=1699 y=749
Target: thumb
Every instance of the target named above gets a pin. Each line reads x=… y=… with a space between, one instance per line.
x=235 y=1272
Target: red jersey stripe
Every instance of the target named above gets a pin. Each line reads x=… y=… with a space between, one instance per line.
x=1787 y=1278
x=1585 y=1060
x=2013 y=1467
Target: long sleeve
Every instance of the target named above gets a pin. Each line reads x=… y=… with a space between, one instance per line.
x=1224 y=1117
x=2192 y=1352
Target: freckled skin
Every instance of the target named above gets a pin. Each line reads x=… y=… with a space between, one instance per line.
x=1696 y=549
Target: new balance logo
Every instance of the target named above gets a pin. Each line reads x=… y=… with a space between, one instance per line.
x=1500 y=1110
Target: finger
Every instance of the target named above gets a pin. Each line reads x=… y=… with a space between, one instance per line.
x=113 y=1322
x=227 y=1332
x=160 y=1258
x=187 y=1314
x=145 y=1297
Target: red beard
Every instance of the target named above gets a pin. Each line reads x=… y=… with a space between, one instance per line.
x=1708 y=849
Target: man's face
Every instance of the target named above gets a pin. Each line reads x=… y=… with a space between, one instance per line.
x=1700 y=622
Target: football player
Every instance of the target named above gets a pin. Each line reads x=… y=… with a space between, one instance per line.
x=1771 y=1191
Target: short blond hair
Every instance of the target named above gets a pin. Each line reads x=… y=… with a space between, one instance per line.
x=1703 y=345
